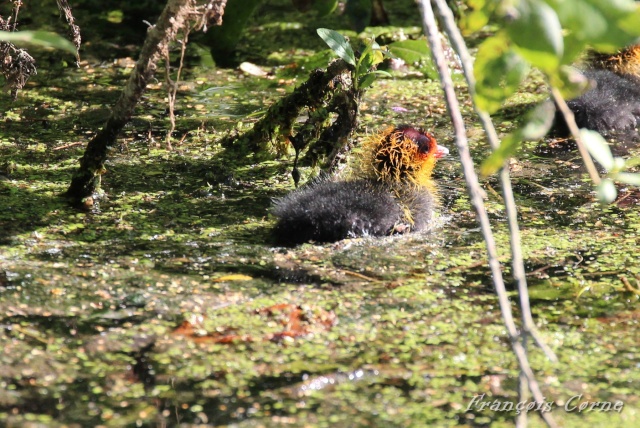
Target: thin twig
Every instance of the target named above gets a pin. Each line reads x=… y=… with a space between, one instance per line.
x=575 y=133
x=172 y=86
x=628 y=285
x=511 y=210
x=74 y=30
x=16 y=9
x=518 y=271
x=431 y=30
x=66 y=146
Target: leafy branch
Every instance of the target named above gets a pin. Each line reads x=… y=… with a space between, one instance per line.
x=550 y=35
x=518 y=340
x=364 y=66
x=44 y=39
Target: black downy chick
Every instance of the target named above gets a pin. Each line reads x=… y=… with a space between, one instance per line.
x=392 y=192
x=612 y=105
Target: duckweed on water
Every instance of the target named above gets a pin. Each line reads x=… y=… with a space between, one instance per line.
x=400 y=331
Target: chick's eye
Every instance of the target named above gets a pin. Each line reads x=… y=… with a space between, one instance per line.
x=422 y=140
x=424 y=144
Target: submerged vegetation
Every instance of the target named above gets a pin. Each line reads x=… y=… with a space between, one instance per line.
x=166 y=303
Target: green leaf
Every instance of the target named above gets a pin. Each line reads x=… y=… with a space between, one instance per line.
x=415 y=53
x=496 y=159
x=600 y=23
x=537 y=34
x=571 y=82
x=382 y=73
x=583 y=19
x=629 y=23
x=498 y=72
x=366 y=80
x=538 y=121
x=629 y=178
x=598 y=148
x=338 y=43
x=573 y=48
x=371 y=56
x=411 y=51
x=477 y=15
x=430 y=70
x=40 y=38
x=606 y=191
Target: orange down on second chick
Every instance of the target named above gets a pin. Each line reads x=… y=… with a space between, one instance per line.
x=625 y=62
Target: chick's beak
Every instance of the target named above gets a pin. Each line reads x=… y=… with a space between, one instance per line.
x=441 y=151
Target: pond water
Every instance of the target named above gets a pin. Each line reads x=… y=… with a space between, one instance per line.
x=167 y=304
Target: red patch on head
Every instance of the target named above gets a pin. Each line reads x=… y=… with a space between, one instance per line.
x=426 y=142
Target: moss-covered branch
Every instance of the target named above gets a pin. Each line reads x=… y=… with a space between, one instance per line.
x=320 y=94
x=175 y=16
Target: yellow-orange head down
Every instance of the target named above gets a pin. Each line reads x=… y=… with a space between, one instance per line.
x=400 y=155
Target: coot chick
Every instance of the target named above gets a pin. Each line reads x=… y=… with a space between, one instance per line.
x=612 y=105
x=391 y=192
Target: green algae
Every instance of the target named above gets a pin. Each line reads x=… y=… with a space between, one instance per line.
x=91 y=301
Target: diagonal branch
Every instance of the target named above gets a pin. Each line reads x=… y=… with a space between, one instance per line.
x=86 y=180
x=475 y=196
x=511 y=210
x=74 y=30
x=569 y=118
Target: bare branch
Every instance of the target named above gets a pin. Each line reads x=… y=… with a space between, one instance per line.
x=475 y=196
x=17 y=65
x=74 y=30
x=174 y=17
x=172 y=86
x=511 y=209
x=575 y=133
